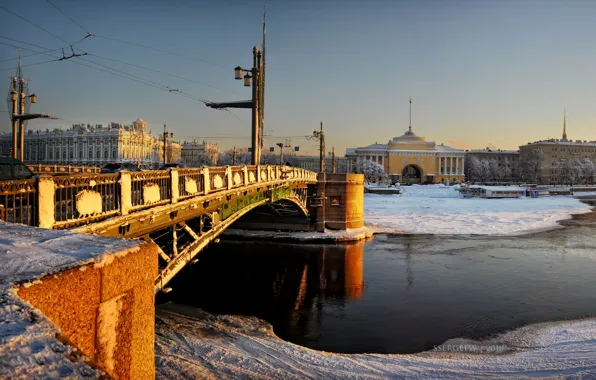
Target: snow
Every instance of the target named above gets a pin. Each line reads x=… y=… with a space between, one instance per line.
x=191 y=343
x=440 y=210
x=329 y=236
x=29 y=347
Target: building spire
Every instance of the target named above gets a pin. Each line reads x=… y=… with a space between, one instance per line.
x=564 y=137
x=410 y=127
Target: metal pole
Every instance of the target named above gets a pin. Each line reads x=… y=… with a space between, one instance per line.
x=165 y=137
x=234 y=157
x=15 y=121
x=333 y=164
x=281 y=154
x=256 y=157
x=322 y=150
x=21 y=121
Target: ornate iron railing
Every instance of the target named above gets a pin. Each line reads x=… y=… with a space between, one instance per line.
x=191 y=182
x=150 y=188
x=85 y=198
x=18 y=200
x=63 y=169
x=74 y=200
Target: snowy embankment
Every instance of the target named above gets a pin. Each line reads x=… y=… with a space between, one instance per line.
x=191 y=343
x=438 y=209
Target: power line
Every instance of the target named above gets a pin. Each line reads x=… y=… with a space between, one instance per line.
x=157 y=71
x=160 y=50
x=70 y=18
x=31 y=64
x=35 y=25
x=26 y=56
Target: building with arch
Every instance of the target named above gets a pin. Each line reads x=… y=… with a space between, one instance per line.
x=413 y=159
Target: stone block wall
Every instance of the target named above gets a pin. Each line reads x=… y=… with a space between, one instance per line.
x=106 y=310
x=344 y=206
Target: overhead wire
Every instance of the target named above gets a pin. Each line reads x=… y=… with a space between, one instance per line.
x=70 y=18
x=35 y=25
x=160 y=50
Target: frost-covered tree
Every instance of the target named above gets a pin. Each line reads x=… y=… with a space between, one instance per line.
x=474 y=169
x=243 y=157
x=531 y=165
x=371 y=170
x=571 y=171
x=589 y=170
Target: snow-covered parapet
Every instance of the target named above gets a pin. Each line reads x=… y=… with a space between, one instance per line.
x=69 y=299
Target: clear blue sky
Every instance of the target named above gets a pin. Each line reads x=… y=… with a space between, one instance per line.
x=479 y=72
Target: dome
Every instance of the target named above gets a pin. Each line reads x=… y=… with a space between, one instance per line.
x=409 y=136
x=140 y=121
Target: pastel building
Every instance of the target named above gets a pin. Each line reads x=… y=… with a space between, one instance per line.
x=413 y=159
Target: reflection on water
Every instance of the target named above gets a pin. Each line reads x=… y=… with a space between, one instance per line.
x=397 y=294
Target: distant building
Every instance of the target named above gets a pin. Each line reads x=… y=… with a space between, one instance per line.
x=556 y=151
x=343 y=164
x=195 y=154
x=86 y=144
x=413 y=159
x=502 y=158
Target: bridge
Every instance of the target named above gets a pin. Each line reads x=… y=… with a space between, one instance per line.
x=181 y=210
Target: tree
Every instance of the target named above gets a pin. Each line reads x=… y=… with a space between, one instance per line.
x=589 y=170
x=531 y=165
x=243 y=157
x=474 y=169
x=371 y=170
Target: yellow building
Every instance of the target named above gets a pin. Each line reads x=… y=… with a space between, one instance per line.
x=414 y=159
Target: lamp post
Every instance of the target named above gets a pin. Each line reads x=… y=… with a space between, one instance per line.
x=253 y=74
x=321 y=136
x=333 y=163
x=18 y=97
x=252 y=78
x=165 y=136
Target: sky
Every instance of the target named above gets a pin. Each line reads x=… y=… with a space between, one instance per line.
x=480 y=73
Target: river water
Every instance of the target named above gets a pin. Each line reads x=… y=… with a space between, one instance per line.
x=395 y=293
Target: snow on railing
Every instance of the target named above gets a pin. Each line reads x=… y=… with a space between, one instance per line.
x=62 y=169
x=73 y=200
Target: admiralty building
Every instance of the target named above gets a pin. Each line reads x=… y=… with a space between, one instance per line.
x=93 y=145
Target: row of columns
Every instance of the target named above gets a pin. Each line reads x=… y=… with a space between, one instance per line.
x=446 y=164
x=375 y=158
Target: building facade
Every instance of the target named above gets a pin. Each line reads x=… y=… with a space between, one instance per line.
x=86 y=144
x=413 y=159
x=554 y=152
x=195 y=154
x=505 y=160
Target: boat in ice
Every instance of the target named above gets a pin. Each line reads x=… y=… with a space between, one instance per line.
x=481 y=191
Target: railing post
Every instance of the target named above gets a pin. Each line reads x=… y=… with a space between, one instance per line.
x=268 y=173
x=46 y=215
x=258 y=173
x=175 y=190
x=246 y=179
x=125 y=193
x=206 y=181
x=229 y=177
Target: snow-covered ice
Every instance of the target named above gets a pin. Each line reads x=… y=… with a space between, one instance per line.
x=191 y=343
x=29 y=347
x=439 y=209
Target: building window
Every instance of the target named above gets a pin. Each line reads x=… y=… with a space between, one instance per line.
x=114 y=153
x=98 y=156
x=64 y=154
x=80 y=154
x=105 y=154
x=90 y=154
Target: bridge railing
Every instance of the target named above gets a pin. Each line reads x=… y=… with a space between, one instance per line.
x=18 y=201
x=62 y=169
x=73 y=200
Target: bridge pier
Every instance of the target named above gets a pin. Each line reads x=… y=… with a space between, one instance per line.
x=339 y=201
